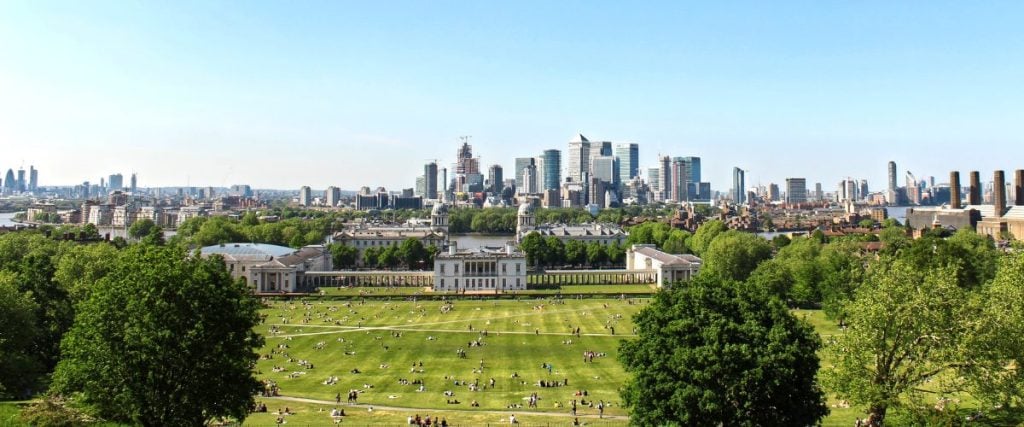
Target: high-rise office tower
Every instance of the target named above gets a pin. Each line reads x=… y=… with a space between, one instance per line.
x=628 y=156
x=495 y=178
x=739 y=192
x=598 y=149
x=796 y=190
x=115 y=182
x=9 y=182
x=521 y=164
x=665 y=167
x=603 y=168
x=529 y=180
x=579 y=157
x=21 y=179
x=305 y=196
x=430 y=180
x=863 y=189
x=134 y=183
x=654 y=178
x=773 y=192
x=552 y=169
x=693 y=168
x=33 y=178
x=464 y=162
x=679 y=180
x=818 y=193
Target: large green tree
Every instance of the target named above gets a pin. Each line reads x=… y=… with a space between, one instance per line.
x=733 y=255
x=905 y=328
x=705 y=234
x=712 y=353
x=163 y=339
x=19 y=364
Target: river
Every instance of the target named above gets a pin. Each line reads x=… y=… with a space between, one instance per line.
x=7 y=219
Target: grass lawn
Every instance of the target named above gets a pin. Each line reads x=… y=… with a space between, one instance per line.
x=386 y=341
x=539 y=290
x=9 y=414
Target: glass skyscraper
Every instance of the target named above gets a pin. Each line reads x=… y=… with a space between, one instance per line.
x=552 y=169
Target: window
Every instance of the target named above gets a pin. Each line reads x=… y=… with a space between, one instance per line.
x=442 y=283
x=504 y=268
x=243 y=268
x=456 y=269
x=442 y=268
x=518 y=267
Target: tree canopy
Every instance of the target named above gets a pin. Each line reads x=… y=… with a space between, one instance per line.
x=163 y=339
x=720 y=353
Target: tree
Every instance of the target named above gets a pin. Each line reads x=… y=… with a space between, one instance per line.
x=904 y=329
x=19 y=367
x=343 y=256
x=733 y=255
x=997 y=378
x=719 y=353
x=705 y=234
x=596 y=254
x=141 y=228
x=164 y=339
x=412 y=252
x=534 y=247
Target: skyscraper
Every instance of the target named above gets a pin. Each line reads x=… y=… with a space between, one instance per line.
x=739 y=192
x=134 y=183
x=305 y=196
x=665 y=167
x=521 y=164
x=693 y=168
x=464 y=162
x=796 y=190
x=552 y=169
x=603 y=169
x=21 y=180
x=679 y=177
x=115 y=182
x=529 y=180
x=628 y=156
x=892 y=176
x=9 y=182
x=430 y=180
x=579 y=157
x=33 y=178
x=654 y=178
x=495 y=179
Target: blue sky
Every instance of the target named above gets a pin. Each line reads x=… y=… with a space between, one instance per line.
x=283 y=94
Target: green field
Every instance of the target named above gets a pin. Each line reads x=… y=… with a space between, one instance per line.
x=386 y=341
x=538 y=290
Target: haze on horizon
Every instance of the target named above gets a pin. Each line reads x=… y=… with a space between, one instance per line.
x=279 y=95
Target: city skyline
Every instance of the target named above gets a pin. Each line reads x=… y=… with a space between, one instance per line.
x=780 y=91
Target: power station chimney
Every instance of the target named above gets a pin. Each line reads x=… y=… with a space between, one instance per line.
x=954 y=189
x=999 y=193
x=974 y=198
x=1018 y=187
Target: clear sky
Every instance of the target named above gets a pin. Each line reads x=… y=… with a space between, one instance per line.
x=349 y=93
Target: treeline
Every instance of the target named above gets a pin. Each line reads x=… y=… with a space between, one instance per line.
x=293 y=231
x=410 y=254
x=80 y=320
x=504 y=220
x=552 y=252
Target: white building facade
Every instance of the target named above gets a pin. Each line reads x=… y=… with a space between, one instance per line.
x=479 y=271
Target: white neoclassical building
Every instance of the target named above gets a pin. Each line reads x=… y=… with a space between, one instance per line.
x=271 y=268
x=670 y=268
x=363 y=236
x=602 y=233
x=480 y=271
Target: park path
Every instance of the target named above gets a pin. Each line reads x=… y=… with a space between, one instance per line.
x=405 y=409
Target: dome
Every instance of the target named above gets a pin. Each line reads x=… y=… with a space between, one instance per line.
x=440 y=209
x=526 y=209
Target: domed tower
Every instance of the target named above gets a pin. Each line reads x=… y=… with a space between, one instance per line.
x=525 y=220
x=439 y=218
